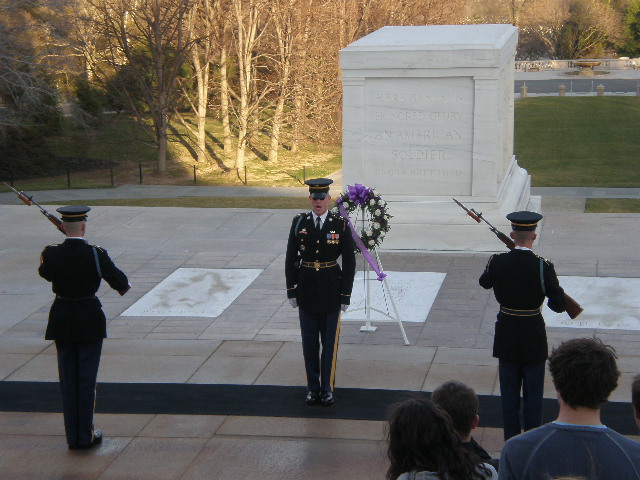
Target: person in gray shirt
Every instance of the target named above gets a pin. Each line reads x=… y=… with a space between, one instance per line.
x=584 y=373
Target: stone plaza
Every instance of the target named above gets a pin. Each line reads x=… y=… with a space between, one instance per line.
x=254 y=343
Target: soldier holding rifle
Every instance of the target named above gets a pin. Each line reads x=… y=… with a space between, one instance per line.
x=77 y=323
x=521 y=280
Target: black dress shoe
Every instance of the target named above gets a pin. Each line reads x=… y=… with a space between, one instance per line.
x=97 y=438
x=312 y=398
x=326 y=399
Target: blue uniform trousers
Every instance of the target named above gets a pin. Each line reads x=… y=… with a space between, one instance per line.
x=78 y=370
x=528 y=378
x=319 y=328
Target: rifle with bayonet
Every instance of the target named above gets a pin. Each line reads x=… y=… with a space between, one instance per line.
x=572 y=307
x=30 y=201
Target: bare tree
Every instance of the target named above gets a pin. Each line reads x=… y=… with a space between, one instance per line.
x=201 y=27
x=588 y=26
x=27 y=97
x=515 y=9
x=250 y=23
x=148 y=39
x=282 y=14
x=225 y=108
x=224 y=42
x=568 y=28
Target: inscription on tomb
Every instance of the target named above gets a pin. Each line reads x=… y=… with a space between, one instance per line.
x=419 y=131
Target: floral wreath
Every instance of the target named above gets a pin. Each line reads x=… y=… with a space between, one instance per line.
x=370 y=201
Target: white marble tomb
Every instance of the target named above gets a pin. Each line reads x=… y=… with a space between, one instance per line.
x=427 y=116
x=413 y=294
x=194 y=292
x=609 y=303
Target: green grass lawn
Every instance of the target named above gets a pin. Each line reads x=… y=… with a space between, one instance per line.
x=121 y=148
x=585 y=141
x=612 y=205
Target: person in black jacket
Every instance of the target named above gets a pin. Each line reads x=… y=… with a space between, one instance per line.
x=461 y=403
x=319 y=287
x=521 y=280
x=77 y=323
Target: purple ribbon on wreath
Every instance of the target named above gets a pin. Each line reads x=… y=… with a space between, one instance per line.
x=359 y=195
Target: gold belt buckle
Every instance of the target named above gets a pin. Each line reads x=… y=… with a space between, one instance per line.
x=316 y=265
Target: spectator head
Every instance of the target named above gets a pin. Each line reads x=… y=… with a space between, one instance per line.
x=421 y=437
x=461 y=403
x=584 y=372
x=635 y=399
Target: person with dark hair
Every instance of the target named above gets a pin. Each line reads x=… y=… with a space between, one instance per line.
x=423 y=445
x=77 y=323
x=584 y=373
x=521 y=280
x=461 y=403
x=635 y=399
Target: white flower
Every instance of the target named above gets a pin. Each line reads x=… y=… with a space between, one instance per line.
x=372 y=242
x=372 y=202
x=346 y=205
x=380 y=202
x=382 y=234
x=376 y=226
x=334 y=210
x=377 y=212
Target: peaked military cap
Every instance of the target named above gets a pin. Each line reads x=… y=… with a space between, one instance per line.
x=318 y=187
x=73 y=213
x=524 y=221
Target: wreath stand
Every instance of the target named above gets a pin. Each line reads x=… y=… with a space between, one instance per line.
x=367 y=327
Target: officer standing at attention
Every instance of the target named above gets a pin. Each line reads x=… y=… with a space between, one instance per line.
x=521 y=280
x=317 y=285
x=77 y=323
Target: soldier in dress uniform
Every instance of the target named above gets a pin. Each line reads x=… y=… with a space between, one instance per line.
x=77 y=323
x=319 y=287
x=521 y=280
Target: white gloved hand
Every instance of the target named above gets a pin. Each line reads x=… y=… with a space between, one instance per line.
x=293 y=302
x=344 y=307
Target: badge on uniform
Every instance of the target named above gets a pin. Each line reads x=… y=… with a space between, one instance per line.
x=304 y=230
x=333 y=238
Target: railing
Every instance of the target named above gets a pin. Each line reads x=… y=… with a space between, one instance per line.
x=113 y=176
x=608 y=63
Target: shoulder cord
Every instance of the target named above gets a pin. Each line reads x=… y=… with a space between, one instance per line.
x=544 y=290
x=95 y=255
x=298 y=224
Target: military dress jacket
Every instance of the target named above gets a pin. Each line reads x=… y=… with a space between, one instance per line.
x=324 y=286
x=75 y=273
x=518 y=278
